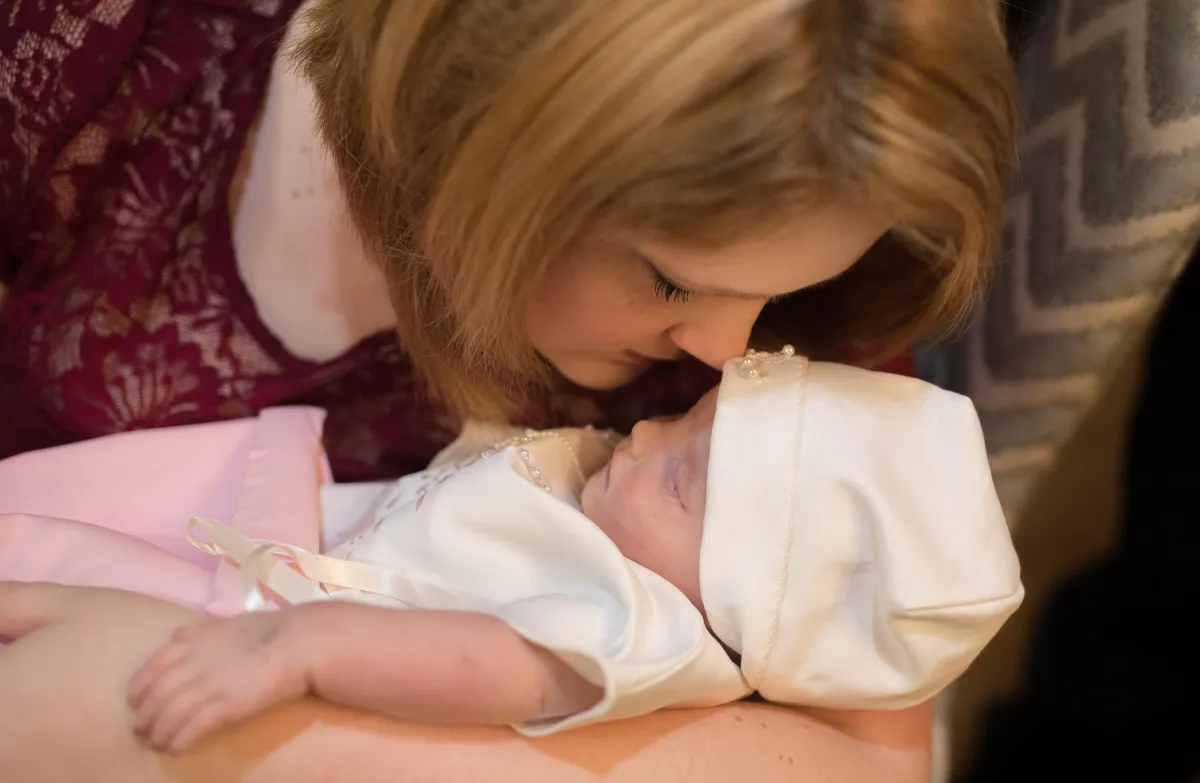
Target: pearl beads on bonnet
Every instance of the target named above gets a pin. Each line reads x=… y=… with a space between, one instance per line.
x=854 y=551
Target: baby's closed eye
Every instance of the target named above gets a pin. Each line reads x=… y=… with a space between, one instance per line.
x=673 y=479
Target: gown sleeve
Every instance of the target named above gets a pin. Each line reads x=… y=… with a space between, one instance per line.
x=643 y=643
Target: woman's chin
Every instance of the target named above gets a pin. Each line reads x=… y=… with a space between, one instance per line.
x=600 y=374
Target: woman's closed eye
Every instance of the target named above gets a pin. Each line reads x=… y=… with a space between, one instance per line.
x=664 y=288
x=667 y=291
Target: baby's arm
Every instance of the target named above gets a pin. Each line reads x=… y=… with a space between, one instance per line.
x=423 y=666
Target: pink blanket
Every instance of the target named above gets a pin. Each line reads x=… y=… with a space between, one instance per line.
x=112 y=512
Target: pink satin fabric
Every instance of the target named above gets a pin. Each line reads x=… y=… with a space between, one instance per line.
x=112 y=512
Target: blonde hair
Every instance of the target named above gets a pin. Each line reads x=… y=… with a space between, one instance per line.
x=477 y=141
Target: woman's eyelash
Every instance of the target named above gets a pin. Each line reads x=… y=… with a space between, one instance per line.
x=667 y=291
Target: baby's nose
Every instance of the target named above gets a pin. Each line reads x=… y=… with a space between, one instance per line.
x=641 y=438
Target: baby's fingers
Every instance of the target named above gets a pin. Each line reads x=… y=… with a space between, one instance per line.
x=164 y=660
x=177 y=713
x=201 y=723
x=161 y=693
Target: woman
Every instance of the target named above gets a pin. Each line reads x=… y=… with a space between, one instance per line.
x=547 y=202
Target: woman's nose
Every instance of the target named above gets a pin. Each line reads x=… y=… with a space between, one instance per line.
x=719 y=334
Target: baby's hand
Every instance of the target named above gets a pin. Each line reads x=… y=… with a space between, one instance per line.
x=211 y=674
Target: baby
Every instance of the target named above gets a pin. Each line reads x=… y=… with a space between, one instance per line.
x=821 y=535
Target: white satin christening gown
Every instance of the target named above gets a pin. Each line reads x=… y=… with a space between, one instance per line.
x=501 y=532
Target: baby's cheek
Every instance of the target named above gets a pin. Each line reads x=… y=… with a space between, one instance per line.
x=673 y=552
x=591 y=500
x=691 y=538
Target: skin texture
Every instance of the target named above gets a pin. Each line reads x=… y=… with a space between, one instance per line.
x=618 y=295
x=65 y=720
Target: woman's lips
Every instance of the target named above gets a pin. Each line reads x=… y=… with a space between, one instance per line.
x=638 y=358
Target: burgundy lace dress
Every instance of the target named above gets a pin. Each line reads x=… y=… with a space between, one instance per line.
x=121 y=126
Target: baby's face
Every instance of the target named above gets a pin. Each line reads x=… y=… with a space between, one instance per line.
x=649 y=499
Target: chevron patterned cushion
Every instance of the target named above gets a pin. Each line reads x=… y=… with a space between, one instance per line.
x=1105 y=211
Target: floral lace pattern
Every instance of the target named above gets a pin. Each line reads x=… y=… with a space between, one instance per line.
x=121 y=122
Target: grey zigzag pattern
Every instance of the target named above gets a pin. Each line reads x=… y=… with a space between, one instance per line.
x=1104 y=211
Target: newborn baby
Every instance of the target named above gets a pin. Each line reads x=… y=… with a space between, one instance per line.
x=822 y=535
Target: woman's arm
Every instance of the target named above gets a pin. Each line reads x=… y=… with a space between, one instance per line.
x=66 y=718
x=460 y=668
